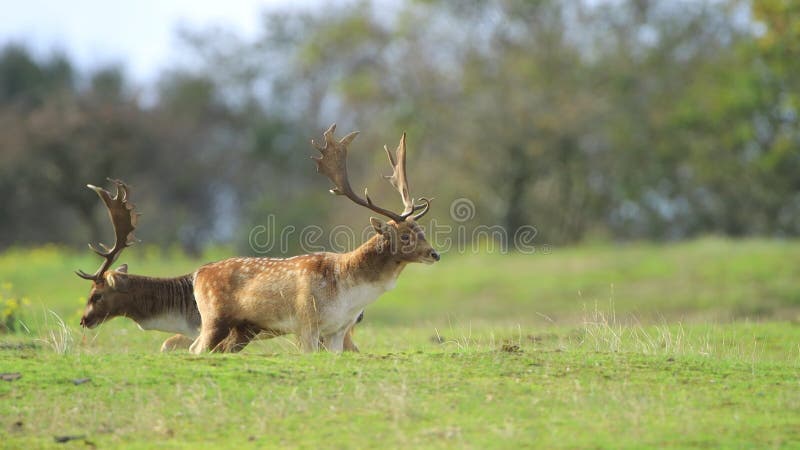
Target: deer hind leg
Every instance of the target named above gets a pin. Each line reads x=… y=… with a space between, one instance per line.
x=212 y=332
x=178 y=341
x=238 y=338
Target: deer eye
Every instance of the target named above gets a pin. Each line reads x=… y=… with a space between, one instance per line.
x=405 y=237
x=95 y=298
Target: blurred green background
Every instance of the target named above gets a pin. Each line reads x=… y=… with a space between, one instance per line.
x=621 y=134
x=709 y=280
x=589 y=120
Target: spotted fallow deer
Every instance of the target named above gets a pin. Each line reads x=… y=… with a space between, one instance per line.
x=315 y=296
x=162 y=304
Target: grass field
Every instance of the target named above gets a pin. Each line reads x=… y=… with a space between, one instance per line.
x=693 y=345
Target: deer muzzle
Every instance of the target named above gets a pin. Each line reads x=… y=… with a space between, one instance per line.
x=86 y=323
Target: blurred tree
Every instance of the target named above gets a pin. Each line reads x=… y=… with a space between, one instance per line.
x=26 y=82
x=630 y=119
x=777 y=132
x=56 y=144
x=738 y=123
x=527 y=90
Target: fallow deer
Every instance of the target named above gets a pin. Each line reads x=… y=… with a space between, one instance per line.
x=162 y=304
x=315 y=296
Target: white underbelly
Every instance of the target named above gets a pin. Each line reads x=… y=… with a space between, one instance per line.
x=170 y=323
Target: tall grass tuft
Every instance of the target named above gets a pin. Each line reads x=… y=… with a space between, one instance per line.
x=58 y=335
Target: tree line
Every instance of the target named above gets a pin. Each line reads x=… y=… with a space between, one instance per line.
x=636 y=119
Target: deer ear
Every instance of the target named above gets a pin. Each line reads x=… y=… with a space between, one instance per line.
x=379 y=225
x=117 y=281
x=123 y=268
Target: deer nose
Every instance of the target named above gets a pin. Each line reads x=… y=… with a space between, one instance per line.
x=83 y=321
x=435 y=255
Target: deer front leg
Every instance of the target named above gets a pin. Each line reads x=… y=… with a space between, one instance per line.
x=335 y=342
x=347 y=342
x=349 y=345
x=309 y=339
x=176 y=342
x=308 y=320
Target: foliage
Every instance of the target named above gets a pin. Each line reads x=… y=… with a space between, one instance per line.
x=629 y=120
x=11 y=309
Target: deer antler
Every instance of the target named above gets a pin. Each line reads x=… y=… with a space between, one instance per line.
x=400 y=182
x=123 y=218
x=333 y=164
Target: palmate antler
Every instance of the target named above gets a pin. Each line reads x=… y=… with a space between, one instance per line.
x=333 y=164
x=400 y=182
x=123 y=218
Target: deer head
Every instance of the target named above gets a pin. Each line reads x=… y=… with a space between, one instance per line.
x=401 y=236
x=109 y=287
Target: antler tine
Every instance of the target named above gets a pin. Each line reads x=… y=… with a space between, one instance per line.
x=84 y=275
x=424 y=207
x=99 y=252
x=123 y=219
x=399 y=180
x=333 y=164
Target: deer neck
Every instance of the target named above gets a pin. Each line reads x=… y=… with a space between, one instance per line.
x=370 y=264
x=163 y=304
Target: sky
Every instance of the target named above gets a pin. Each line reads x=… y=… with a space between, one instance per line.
x=139 y=35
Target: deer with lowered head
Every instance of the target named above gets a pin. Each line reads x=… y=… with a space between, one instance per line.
x=317 y=296
x=162 y=304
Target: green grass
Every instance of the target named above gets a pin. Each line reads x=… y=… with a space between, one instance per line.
x=695 y=345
